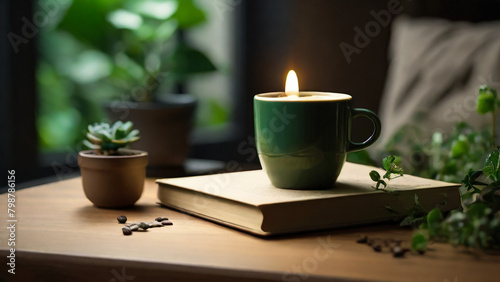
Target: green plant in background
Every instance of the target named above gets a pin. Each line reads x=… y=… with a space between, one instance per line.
x=106 y=139
x=141 y=42
x=93 y=51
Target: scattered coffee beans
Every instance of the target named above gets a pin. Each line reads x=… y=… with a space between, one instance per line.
x=133 y=226
x=122 y=219
x=378 y=245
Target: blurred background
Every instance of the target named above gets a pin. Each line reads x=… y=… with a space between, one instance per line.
x=63 y=60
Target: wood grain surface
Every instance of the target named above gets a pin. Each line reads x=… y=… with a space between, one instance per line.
x=61 y=236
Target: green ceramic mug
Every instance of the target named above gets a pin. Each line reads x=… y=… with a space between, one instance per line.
x=303 y=141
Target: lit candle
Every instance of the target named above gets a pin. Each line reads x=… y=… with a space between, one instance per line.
x=293 y=94
x=292 y=85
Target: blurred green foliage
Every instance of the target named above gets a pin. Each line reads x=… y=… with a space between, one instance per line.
x=92 y=51
x=439 y=156
x=446 y=158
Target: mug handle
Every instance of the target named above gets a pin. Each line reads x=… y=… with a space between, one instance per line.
x=356 y=112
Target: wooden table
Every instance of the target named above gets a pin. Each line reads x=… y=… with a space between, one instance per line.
x=60 y=236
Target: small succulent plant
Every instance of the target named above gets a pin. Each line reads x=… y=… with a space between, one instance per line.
x=106 y=139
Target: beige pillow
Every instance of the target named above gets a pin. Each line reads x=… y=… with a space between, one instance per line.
x=436 y=68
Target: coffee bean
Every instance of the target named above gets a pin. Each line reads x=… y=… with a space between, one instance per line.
x=155 y=224
x=126 y=231
x=160 y=219
x=398 y=252
x=134 y=227
x=122 y=219
x=377 y=248
x=131 y=223
x=143 y=226
x=362 y=239
x=167 y=222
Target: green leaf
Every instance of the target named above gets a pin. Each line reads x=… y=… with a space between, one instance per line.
x=486 y=100
x=89 y=66
x=387 y=161
x=121 y=130
x=381 y=182
x=86 y=21
x=492 y=166
x=460 y=147
x=160 y=10
x=374 y=175
x=455 y=216
x=407 y=221
x=391 y=167
x=186 y=61
x=419 y=242
x=164 y=31
x=105 y=136
x=89 y=145
x=127 y=127
x=116 y=126
x=391 y=210
x=124 y=19
x=417 y=202
x=93 y=138
x=434 y=218
x=188 y=14
x=133 y=133
x=218 y=113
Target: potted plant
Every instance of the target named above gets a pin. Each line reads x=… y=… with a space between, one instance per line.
x=112 y=176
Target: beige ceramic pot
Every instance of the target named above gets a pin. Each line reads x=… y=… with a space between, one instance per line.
x=113 y=181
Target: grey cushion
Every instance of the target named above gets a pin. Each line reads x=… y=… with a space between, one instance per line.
x=436 y=68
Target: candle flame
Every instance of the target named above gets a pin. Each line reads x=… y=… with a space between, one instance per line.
x=292 y=84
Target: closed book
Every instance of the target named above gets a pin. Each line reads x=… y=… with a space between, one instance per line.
x=248 y=201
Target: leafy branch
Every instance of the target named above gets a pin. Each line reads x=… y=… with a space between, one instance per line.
x=478 y=224
x=393 y=170
x=487 y=101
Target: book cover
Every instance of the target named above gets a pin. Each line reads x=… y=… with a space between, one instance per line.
x=248 y=201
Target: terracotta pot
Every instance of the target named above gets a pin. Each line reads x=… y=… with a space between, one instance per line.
x=113 y=181
x=165 y=126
